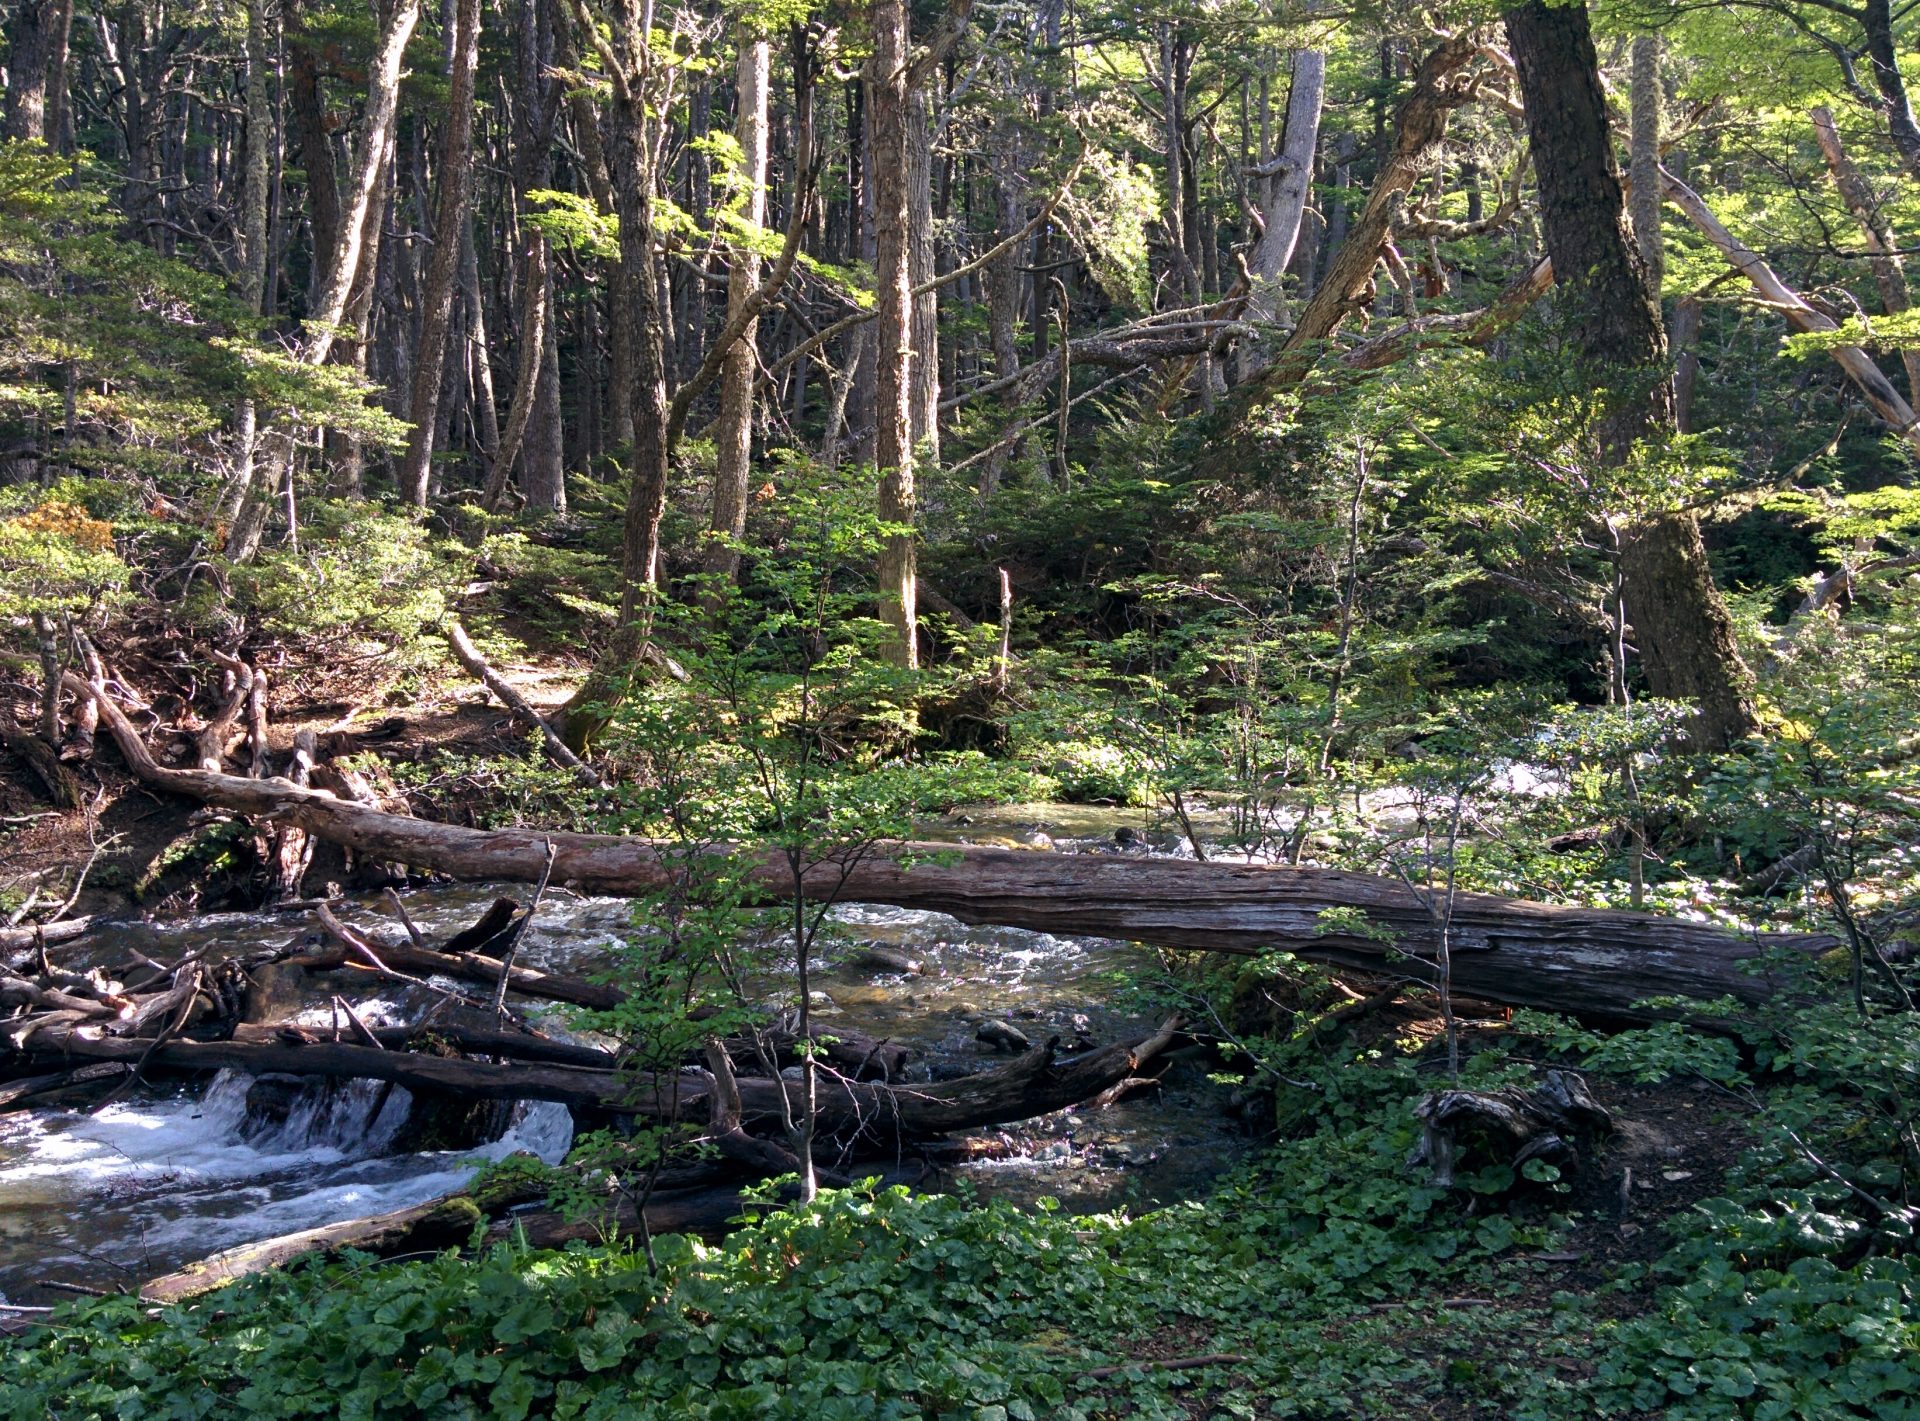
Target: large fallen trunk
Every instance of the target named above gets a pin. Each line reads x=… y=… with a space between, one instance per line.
x=1597 y=962
x=1036 y=1083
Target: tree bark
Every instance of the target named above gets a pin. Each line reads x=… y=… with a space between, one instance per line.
x=1644 y=165
x=29 y=43
x=888 y=116
x=450 y=220
x=733 y=434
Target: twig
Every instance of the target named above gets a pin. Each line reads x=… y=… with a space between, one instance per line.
x=1168 y=1364
x=392 y=900
x=513 y=943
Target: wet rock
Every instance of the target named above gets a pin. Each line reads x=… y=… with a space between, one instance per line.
x=861 y=996
x=1002 y=1036
x=877 y=958
x=275 y=992
x=270 y=1100
x=1128 y=840
x=1028 y=1014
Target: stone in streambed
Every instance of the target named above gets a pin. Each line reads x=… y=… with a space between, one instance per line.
x=1002 y=1036
x=877 y=958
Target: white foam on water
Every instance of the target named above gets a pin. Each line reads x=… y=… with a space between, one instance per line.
x=148 y=1184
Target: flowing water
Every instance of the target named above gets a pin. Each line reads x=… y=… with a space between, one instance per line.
x=166 y=1176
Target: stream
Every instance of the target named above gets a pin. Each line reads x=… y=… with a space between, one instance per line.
x=169 y=1174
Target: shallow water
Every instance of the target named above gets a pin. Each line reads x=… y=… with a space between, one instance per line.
x=162 y=1178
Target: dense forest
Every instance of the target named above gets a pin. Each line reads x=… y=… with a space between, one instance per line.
x=959 y=708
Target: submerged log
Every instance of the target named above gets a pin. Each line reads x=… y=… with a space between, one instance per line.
x=1037 y=1083
x=1601 y=962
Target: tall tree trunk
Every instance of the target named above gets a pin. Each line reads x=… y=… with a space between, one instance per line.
x=530 y=369
x=1003 y=279
x=307 y=109
x=357 y=239
x=889 y=114
x=923 y=369
x=59 y=123
x=484 y=414
x=1888 y=275
x=734 y=433
x=29 y=39
x=362 y=211
x=1683 y=631
x=1290 y=186
x=450 y=221
x=543 y=479
x=630 y=155
x=255 y=195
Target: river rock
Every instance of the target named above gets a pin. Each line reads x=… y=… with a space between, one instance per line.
x=879 y=958
x=1002 y=1036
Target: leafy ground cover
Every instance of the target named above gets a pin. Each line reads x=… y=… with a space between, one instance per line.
x=1749 y=1277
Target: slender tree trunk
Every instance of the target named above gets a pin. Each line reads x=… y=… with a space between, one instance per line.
x=530 y=369
x=484 y=414
x=59 y=41
x=1888 y=274
x=253 y=254
x=362 y=211
x=631 y=160
x=889 y=114
x=1683 y=630
x=923 y=368
x=734 y=434
x=1645 y=160
x=307 y=109
x=450 y=221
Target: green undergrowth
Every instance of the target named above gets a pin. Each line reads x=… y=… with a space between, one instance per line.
x=1329 y=1280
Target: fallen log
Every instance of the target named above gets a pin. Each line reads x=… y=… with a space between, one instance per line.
x=1596 y=962
x=20 y=939
x=1036 y=1083
x=439 y=1223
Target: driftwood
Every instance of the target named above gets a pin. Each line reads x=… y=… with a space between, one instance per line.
x=1599 y=962
x=1469 y=1129
x=439 y=1223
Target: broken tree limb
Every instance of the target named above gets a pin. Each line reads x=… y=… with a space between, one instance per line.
x=522 y=709
x=1598 y=962
x=1874 y=386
